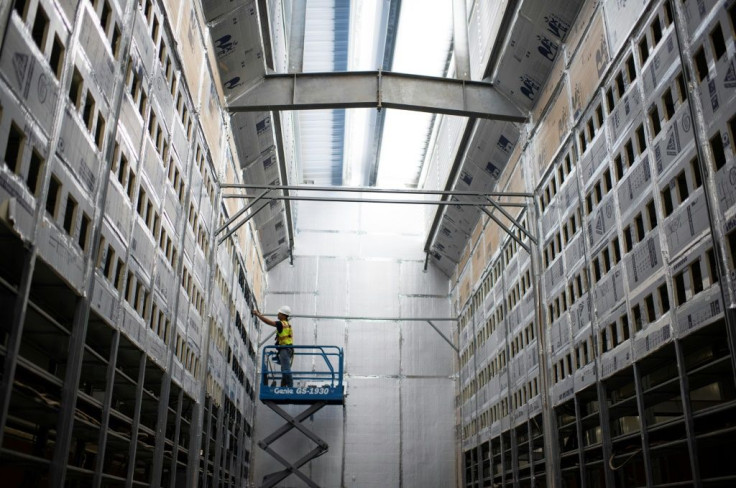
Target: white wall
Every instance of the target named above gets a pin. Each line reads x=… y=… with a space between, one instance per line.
x=397 y=426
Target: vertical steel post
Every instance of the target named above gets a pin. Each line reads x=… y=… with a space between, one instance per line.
x=12 y=350
x=501 y=444
x=687 y=411
x=605 y=424
x=514 y=457
x=218 y=444
x=551 y=453
x=579 y=433
x=530 y=447
x=106 y=407
x=643 y=425
x=177 y=434
x=132 y=450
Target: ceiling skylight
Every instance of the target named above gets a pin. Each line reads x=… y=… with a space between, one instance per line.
x=423 y=44
x=360 y=146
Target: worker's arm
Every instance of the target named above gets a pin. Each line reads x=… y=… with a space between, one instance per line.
x=265 y=320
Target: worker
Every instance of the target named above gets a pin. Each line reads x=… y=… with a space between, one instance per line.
x=284 y=341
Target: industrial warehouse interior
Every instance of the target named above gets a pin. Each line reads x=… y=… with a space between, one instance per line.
x=368 y=243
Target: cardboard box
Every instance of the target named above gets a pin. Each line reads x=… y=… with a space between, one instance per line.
x=559 y=334
x=574 y=251
x=608 y=292
x=627 y=111
x=237 y=49
x=686 y=224
x=104 y=300
x=189 y=40
x=172 y=207
x=478 y=260
x=130 y=123
x=635 y=187
x=675 y=143
x=563 y=390
x=552 y=130
x=441 y=261
x=165 y=281
x=153 y=170
x=718 y=90
x=211 y=119
x=272 y=235
x=492 y=146
x=97 y=51
x=578 y=28
x=662 y=63
x=696 y=13
x=17 y=203
x=581 y=315
x=556 y=81
x=133 y=326
x=449 y=240
x=60 y=250
x=200 y=268
x=143 y=247
x=554 y=277
x=533 y=45
x=644 y=261
x=621 y=17
x=253 y=135
x=550 y=220
x=162 y=101
x=68 y=9
x=615 y=360
x=594 y=159
x=28 y=75
x=601 y=223
x=179 y=139
x=568 y=197
x=703 y=309
x=588 y=65
x=584 y=377
x=143 y=44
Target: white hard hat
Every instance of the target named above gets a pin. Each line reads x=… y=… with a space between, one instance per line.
x=286 y=310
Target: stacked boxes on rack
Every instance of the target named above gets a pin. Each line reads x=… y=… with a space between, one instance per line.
x=113 y=141
x=629 y=161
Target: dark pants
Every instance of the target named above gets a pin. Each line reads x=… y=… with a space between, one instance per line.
x=285 y=357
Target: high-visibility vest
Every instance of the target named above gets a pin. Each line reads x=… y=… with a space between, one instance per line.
x=284 y=338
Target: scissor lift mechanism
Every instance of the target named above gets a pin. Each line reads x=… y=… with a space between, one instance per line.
x=314 y=388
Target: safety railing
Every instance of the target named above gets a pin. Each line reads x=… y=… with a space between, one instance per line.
x=322 y=382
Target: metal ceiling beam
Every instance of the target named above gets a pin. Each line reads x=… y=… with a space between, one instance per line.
x=353 y=189
x=296 y=36
x=379 y=89
x=460 y=39
x=389 y=48
x=446 y=203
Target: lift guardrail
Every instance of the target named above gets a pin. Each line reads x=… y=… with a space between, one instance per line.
x=324 y=383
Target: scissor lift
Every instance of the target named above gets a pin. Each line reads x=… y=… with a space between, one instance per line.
x=317 y=389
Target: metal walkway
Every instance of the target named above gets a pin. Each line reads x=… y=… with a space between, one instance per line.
x=318 y=388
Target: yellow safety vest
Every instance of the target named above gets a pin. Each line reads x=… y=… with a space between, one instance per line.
x=284 y=338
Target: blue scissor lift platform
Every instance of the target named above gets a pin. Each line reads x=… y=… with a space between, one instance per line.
x=316 y=388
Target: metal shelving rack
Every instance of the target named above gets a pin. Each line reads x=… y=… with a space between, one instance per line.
x=643 y=394
x=109 y=376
